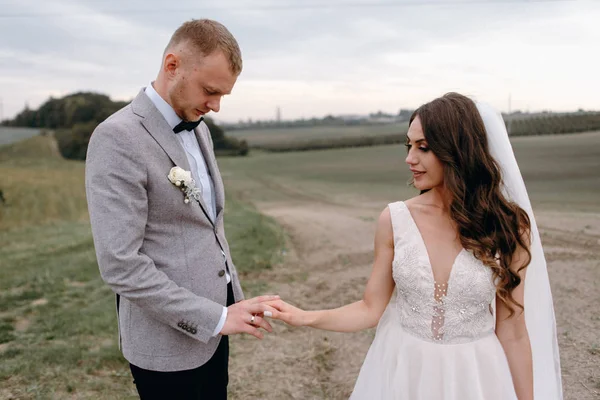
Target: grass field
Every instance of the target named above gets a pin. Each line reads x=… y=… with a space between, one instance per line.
x=328 y=202
x=57 y=319
x=330 y=137
x=261 y=137
x=10 y=135
x=558 y=170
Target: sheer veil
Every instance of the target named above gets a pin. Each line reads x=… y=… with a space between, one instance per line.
x=539 y=310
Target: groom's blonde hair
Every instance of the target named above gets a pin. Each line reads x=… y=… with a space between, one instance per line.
x=208 y=36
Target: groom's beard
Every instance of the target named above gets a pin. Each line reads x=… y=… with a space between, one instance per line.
x=177 y=100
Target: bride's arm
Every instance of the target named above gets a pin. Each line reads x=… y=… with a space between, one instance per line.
x=361 y=314
x=512 y=333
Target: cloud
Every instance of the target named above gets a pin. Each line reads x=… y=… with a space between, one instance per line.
x=310 y=58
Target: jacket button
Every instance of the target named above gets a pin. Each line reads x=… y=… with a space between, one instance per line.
x=222 y=273
x=194 y=331
x=180 y=324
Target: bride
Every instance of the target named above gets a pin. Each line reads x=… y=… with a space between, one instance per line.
x=456 y=274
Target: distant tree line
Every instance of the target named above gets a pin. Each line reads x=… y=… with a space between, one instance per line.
x=554 y=124
x=540 y=124
x=334 y=143
x=74 y=117
x=328 y=120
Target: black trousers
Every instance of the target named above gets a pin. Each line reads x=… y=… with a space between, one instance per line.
x=209 y=381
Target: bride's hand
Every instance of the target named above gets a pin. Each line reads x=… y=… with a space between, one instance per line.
x=288 y=313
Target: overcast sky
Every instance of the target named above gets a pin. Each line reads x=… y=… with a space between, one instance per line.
x=313 y=58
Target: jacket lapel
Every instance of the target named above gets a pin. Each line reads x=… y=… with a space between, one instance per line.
x=159 y=129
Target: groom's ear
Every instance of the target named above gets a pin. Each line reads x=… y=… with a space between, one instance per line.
x=171 y=63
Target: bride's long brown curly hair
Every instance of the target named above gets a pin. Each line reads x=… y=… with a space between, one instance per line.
x=489 y=225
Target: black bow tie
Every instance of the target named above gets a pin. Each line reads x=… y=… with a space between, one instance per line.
x=187 y=125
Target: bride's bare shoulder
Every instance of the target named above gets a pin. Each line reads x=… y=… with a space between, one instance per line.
x=416 y=202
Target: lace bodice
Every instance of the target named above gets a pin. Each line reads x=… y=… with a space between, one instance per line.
x=456 y=311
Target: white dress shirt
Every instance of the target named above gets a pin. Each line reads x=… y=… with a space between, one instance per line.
x=199 y=170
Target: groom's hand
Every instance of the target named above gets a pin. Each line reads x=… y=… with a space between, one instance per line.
x=239 y=316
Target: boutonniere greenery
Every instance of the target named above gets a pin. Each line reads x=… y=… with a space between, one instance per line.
x=184 y=181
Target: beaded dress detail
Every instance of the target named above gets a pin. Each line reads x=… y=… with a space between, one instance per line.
x=435 y=340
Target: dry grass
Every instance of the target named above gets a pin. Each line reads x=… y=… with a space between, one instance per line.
x=57 y=325
x=57 y=319
x=38 y=185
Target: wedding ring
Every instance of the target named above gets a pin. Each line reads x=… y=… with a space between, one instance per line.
x=252 y=320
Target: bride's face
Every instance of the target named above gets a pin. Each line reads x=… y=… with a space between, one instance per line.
x=426 y=168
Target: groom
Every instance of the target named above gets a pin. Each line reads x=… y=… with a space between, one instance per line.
x=168 y=261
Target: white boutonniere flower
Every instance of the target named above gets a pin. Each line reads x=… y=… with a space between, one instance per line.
x=184 y=181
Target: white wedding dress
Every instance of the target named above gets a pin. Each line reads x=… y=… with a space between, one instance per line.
x=435 y=341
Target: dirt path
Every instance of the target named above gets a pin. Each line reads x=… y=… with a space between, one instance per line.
x=329 y=261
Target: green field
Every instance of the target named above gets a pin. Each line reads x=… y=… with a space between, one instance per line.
x=10 y=135
x=57 y=319
x=304 y=189
x=281 y=136
x=340 y=136
x=557 y=170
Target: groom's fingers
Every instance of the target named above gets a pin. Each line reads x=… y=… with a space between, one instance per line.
x=262 y=323
x=252 y=330
x=261 y=308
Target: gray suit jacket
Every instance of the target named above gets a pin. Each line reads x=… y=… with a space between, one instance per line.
x=162 y=256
